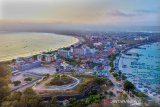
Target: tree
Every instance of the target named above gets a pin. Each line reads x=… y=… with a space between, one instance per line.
x=119 y=72
x=115 y=74
x=16 y=83
x=4 y=81
x=109 y=82
x=140 y=94
x=118 y=78
x=77 y=103
x=111 y=64
x=128 y=86
x=15 y=96
x=4 y=70
x=28 y=79
x=26 y=99
x=125 y=96
x=110 y=93
x=53 y=103
x=124 y=77
x=57 y=69
x=92 y=98
x=93 y=92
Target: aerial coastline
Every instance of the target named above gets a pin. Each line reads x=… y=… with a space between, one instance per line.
x=129 y=69
x=72 y=41
x=80 y=53
x=93 y=54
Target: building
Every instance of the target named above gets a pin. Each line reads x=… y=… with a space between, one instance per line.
x=140 y=38
x=49 y=58
x=100 y=72
x=83 y=51
x=28 y=66
x=64 y=65
x=79 y=51
x=65 y=53
x=92 y=51
x=24 y=66
x=111 y=50
x=46 y=58
x=98 y=44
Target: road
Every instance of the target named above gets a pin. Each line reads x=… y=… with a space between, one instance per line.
x=29 y=84
x=42 y=87
x=115 y=88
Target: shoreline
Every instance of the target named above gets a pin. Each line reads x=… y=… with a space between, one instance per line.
x=135 y=46
x=154 y=98
x=76 y=42
x=129 y=48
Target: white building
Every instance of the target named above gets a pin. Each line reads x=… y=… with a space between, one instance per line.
x=46 y=57
x=65 y=53
x=97 y=44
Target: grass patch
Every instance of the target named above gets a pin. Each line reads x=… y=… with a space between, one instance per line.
x=60 y=80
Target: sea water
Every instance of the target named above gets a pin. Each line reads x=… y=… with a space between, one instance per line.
x=142 y=67
x=13 y=45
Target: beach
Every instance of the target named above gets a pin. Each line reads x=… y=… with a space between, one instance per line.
x=22 y=44
x=142 y=67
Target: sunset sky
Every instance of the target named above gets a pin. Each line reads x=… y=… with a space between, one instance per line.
x=83 y=12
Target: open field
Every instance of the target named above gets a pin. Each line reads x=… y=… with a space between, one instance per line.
x=42 y=70
x=22 y=79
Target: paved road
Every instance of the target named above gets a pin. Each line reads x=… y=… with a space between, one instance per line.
x=29 y=84
x=63 y=87
x=115 y=88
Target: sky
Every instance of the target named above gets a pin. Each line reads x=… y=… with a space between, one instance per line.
x=82 y=12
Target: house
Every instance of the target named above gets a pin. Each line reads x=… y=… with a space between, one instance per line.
x=65 y=53
x=46 y=57
x=97 y=44
x=112 y=50
x=100 y=72
x=79 y=51
x=64 y=65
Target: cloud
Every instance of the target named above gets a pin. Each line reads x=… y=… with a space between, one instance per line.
x=120 y=13
x=133 y=13
x=146 y=11
x=80 y=11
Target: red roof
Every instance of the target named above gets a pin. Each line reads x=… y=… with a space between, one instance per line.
x=85 y=65
x=66 y=101
x=111 y=49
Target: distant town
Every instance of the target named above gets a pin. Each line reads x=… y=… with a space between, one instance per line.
x=79 y=53
x=95 y=55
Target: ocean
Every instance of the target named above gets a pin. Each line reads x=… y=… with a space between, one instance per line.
x=13 y=45
x=142 y=67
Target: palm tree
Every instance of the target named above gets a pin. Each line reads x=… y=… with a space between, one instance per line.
x=128 y=86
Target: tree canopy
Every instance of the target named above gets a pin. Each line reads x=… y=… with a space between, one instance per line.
x=128 y=86
x=28 y=98
x=4 y=81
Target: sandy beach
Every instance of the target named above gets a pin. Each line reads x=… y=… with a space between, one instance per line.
x=14 y=45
